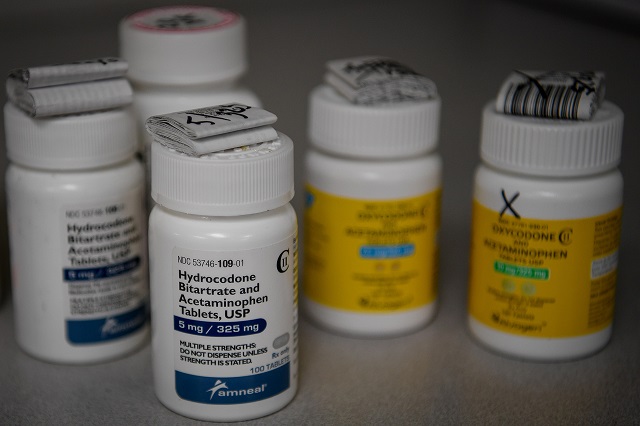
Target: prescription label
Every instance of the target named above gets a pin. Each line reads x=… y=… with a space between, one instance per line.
x=540 y=277
x=104 y=269
x=235 y=323
x=371 y=256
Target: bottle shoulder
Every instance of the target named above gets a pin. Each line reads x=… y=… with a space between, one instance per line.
x=489 y=175
x=549 y=197
x=230 y=232
x=375 y=179
x=125 y=175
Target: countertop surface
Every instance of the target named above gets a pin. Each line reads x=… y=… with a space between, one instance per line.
x=438 y=375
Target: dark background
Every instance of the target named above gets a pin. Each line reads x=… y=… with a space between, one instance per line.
x=438 y=375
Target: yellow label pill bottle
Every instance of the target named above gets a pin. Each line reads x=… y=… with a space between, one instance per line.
x=546 y=227
x=372 y=214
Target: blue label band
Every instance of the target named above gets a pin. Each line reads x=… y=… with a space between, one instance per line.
x=308 y=199
x=109 y=271
x=387 y=252
x=106 y=329
x=219 y=329
x=233 y=390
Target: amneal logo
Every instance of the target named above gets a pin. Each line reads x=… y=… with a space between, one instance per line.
x=110 y=326
x=217 y=387
x=221 y=390
x=113 y=327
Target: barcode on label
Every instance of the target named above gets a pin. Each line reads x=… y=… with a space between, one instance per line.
x=559 y=95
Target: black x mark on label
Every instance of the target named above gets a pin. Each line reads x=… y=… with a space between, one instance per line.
x=508 y=204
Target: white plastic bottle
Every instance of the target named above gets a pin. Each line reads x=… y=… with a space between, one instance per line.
x=223 y=256
x=181 y=58
x=372 y=215
x=77 y=233
x=546 y=229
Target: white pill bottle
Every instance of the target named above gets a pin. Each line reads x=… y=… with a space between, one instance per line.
x=372 y=215
x=184 y=57
x=546 y=227
x=223 y=263
x=77 y=234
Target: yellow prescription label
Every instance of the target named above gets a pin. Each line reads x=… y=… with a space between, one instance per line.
x=543 y=278
x=371 y=256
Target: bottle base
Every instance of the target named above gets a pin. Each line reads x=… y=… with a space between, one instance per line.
x=536 y=348
x=90 y=354
x=368 y=325
x=227 y=413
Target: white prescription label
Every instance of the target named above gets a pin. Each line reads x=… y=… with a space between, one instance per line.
x=371 y=80
x=212 y=129
x=235 y=323
x=104 y=269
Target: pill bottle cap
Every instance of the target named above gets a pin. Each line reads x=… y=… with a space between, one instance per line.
x=183 y=45
x=238 y=181
x=552 y=147
x=380 y=131
x=70 y=142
